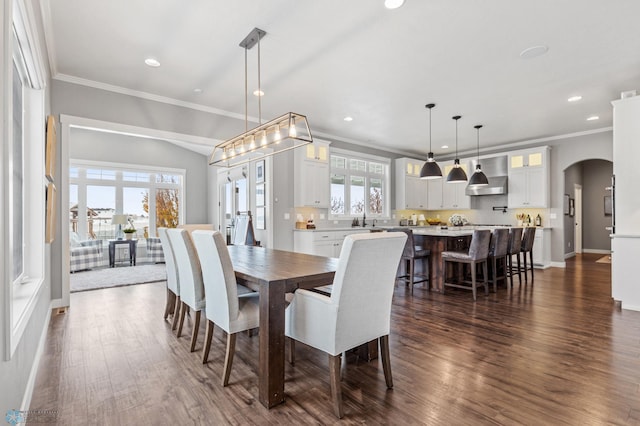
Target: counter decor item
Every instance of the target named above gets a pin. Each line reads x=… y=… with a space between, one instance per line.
x=433 y=222
x=458 y=220
x=521 y=218
x=538 y=220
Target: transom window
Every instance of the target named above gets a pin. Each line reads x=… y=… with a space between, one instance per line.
x=359 y=185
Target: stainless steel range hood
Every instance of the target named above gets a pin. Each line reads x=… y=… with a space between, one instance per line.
x=495 y=168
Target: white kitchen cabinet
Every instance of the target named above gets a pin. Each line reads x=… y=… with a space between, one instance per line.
x=542 y=248
x=453 y=194
x=529 y=178
x=322 y=243
x=411 y=191
x=311 y=171
x=434 y=194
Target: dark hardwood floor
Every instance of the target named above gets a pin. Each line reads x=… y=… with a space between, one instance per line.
x=555 y=352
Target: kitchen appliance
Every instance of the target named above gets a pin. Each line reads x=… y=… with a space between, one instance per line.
x=495 y=168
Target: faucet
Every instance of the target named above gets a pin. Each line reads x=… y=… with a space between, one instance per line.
x=364 y=219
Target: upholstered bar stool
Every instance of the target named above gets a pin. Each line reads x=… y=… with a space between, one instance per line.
x=498 y=250
x=515 y=243
x=527 y=247
x=410 y=254
x=477 y=255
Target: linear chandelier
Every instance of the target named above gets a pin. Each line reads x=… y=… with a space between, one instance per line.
x=289 y=131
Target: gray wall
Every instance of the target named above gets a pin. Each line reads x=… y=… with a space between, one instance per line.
x=572 y=176
x=596 y=176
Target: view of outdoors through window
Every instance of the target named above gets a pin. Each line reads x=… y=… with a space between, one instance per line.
x=357 y=187
x=148 y=199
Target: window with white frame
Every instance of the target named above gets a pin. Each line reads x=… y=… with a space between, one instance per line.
x=150 y=198
x=359 y=185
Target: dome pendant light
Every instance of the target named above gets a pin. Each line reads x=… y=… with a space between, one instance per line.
x=430 y=169
x=457 y=174
x=478 y=178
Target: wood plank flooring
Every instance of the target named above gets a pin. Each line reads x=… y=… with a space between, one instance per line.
x=555 y=352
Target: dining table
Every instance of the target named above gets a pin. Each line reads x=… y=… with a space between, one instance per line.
x=273 y=273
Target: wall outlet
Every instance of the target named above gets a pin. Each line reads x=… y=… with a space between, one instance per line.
x=321 y=216
x=335 y=222
x=287 y=216
x=553 y=216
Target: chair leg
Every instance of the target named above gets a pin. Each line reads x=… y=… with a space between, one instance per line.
x=292 y=351
x=183 y=311
x=170 y=303
x=531 y=258
x=495 y=274
x=176 y=313
x=519 y=269
x=485 y=271
x=194 y=332
x=524 y=262
x=207 y=341
x=228 y=358
x=473 y=280
x=509 y=267
x=336 y=388
x=386 y=360
x=411 y=272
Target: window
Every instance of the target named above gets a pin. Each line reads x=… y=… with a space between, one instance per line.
x=16 y=216
x=150 y=198
x=359 y=184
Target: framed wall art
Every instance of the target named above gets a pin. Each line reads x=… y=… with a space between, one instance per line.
x=260 y=171
x=572 y=207
x=260 y=194
x=50 y=149
x=260 y=218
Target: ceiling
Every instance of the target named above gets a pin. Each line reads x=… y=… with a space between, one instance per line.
x=333 y=58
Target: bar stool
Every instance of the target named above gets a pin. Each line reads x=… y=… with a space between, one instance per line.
x=478 y=252
x=410 y=254
x=515 y=244
x=498 y=250
x=527 y=247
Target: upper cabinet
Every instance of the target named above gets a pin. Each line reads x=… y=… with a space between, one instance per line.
x=453 y=194
x=529 y=178
x=311 y=171
x=411 y=191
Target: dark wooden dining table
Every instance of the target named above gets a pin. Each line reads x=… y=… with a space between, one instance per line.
x=274 y=273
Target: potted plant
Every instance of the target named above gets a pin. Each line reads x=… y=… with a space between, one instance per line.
x=128 y=233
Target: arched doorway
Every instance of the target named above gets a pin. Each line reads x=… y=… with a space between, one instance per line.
x=593 y=177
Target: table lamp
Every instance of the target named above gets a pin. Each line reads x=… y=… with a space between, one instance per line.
x=119 y=219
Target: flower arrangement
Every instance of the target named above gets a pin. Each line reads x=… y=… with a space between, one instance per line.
x=458 y=220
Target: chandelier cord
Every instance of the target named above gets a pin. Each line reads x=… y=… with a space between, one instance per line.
x=246 y=100
x=259 y=88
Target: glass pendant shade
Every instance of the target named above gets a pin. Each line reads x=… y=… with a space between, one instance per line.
x=478 y=178
x=457 y=174
x=430 y=169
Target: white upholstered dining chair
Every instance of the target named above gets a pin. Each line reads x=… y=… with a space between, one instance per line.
x=173 y=282
x=190 y=277
x=359 y=308
x=225 y=308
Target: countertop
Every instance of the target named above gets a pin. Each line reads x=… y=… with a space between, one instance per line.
x=423 y=230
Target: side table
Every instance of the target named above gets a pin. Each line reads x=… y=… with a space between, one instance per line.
x=132 y=251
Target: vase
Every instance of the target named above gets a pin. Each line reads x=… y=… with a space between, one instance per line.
x=128 y=235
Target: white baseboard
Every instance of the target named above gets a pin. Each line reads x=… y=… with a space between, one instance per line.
x=31 y=382
x=630 y=307
x=596 y=251
x=58 y=303
x=558 y=264
x=570 y=255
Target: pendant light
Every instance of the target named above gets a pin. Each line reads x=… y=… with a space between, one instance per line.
x=430 y=169
x=457 y=174
x=478 y=178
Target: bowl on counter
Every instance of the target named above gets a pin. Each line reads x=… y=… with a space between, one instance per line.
x=433 y=222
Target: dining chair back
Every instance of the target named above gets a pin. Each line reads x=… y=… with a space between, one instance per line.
x=224 y=307
x=359 y=308
x=190 y=277
x=173 y=281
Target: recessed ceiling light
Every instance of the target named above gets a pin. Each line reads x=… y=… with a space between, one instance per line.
x=152 y=62
x=348 y=119
x=197 y=90
x=258 y=93
x=393 y=4
x=444 y=146
x=534 y=52
x=593 y=118
x=574 y=98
